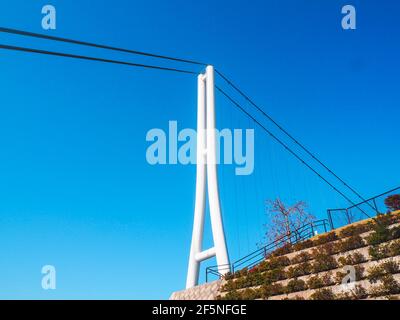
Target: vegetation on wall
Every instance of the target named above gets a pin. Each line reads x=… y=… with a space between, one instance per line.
x=281 y=275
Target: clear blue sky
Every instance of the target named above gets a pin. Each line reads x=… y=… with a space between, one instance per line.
x=75 y=189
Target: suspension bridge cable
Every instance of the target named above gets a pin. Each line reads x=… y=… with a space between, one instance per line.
x=287 y=148
x=289 y=135
x=90 y=44
x=74 y=56
x=95 y=45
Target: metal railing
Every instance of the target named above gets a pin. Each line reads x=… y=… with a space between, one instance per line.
x=303 y=233
x=370 y=207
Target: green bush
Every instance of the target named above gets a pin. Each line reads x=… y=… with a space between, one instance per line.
x=294 y=298
x=378 y=272
x=228 y=276
x=395 y=233
x=231 y=295
x=285 y=249
x=241 y=282
x=375 y=273
x=301 y=258
x=274 y=263
x=241 y=273
x=270 y=290
x=359 y=270
x=274 y=275
x=295 y=285
x=229 y=285
x=351 y=243
x=389 y=286
x=316 y=282
x=303 y=245
x=394 y=248
x=351 y=259
x=330 y=248
x=250 y=294
x=323 y=262
x=354 y=230
x=378 y=252
x=325 y=238
x=323 y=294
x=299 y=270
x=358 y=293
x=390 y=267
x=384 y=250
x=254 y=279
x=381 y=232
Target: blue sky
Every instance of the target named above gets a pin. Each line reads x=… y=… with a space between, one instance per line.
x=76 y=191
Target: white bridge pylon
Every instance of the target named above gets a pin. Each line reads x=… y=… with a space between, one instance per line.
x=206 y=175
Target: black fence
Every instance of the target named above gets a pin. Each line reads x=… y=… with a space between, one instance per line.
x=360 y=211
x=336 y=218
x=303 y=233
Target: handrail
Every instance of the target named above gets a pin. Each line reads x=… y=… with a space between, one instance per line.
x=302 y=233
x=346 y=210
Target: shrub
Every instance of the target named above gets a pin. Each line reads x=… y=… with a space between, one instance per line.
x=274 y=275
x=394 y=248
x=316 y=282
x=274 y=263
x=241 y=273
x=351 y=243
x=381 y=231
x=375 y=273
x=254 y=279
x=301 y=258
x=358 y=293
x=389 y=286
x=351 y=259
x=330 y=248
x=303 y=245
x=294 y=298
x=323 y=294
x=295 y=285
x=229 y=285
x=354 y=230
x=250 y=294
x=325 y=238
x=383 y=219
x=254 y=269
x=393 y=202
x=228 y=276
x=359 y=274
x=270 y=290
x=378 y=272
x=231 y=295
x=390 y=267
x=395 y=217
x=263 y=266
x=384 y=250
x=285 y=249
x=241 y=282
x=395 y=233
x=299 y=270
x=323 y=262
x=378 y=252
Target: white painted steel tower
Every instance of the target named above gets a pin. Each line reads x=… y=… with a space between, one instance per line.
x=206 y=175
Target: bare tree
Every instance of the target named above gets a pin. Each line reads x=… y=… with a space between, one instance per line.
x=285 y=219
